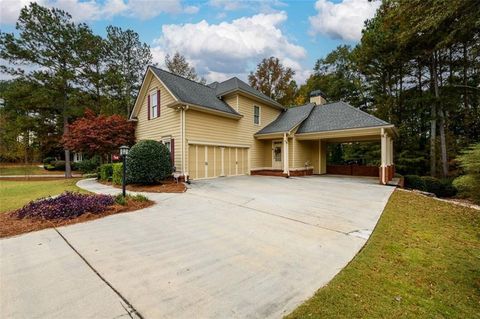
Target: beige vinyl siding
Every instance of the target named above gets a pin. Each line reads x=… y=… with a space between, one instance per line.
x=218 y=130
x=303 y=151
x=168 y=124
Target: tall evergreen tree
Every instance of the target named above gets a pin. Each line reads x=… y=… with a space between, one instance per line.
x=48 y=41
x=127 y=60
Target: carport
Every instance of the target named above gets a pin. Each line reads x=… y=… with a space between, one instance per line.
x=297 y=140
x=383 y=135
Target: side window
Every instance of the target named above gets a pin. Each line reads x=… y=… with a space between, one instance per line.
x=154 y=104
x=256 y=115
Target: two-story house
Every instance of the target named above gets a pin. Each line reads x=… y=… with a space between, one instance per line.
x=229 y=128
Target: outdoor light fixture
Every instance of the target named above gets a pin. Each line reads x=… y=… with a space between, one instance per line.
x=124 y=150
x=124 y=153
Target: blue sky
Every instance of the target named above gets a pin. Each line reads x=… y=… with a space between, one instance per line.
x=223 y=38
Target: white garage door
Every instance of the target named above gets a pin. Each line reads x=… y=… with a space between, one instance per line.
x=208 y=161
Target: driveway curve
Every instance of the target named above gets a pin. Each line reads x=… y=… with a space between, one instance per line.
x=235 y=247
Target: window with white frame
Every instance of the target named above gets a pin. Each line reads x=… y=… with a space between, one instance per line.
x=154 y=104
x=168 y=143
x=256 y=115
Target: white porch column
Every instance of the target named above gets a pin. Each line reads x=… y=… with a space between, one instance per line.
x=383 y=162
x=391 y=151
x=286 y=169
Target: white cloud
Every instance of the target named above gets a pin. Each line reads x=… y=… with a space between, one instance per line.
x=343 y=20
x=92 y=10
x=229 y=48
x=10 y=10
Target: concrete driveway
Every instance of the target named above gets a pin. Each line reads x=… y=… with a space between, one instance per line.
x=236 y=247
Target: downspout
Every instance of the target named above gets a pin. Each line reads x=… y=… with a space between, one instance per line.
x=183 y=109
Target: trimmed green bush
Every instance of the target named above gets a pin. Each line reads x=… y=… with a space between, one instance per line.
x=120 y=200
x=48 y=160
x=148 y=162
x=106 y=172
x=89 y=165
x=415 y=182
x=433 y=185
x=117 y=173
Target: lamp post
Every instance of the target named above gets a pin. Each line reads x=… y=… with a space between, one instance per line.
x=124 y=153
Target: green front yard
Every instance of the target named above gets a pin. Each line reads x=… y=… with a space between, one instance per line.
x=25 y=170
x=422 y=261
x=15 y=194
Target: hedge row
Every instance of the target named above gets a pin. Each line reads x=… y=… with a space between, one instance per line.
x=441 y=188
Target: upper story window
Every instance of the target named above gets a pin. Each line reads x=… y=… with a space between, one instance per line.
x=256 y=115
x=154 y=104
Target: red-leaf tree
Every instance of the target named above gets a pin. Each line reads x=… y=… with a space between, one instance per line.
x=99 y=135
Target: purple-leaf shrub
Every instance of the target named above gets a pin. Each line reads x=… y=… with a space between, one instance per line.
x=66 y=206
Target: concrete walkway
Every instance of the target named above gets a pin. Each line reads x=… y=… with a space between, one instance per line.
x=236 y=247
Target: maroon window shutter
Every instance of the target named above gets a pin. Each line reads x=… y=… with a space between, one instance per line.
x=172 y=151
x=158 y=103
x=148 y=106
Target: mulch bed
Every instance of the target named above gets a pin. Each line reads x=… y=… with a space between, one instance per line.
x=165 y=187
x=11 y=226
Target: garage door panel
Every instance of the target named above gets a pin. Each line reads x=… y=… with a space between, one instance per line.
x=218 y=161
x=192 y=160
x=206 y=161
x=210 y=160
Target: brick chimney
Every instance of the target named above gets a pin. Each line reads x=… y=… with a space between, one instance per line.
x=317 y=97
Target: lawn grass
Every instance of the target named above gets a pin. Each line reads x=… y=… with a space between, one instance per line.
x=25 y=170
x=422 y=261
x=15 y=194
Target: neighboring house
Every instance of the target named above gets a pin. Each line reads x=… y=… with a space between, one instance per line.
x=229 y=128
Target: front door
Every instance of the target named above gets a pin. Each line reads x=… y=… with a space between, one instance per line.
x=277 y=154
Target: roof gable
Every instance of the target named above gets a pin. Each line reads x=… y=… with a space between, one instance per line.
x=288 y=119
x=337 y=116
x=188 y=91
x=235 y=84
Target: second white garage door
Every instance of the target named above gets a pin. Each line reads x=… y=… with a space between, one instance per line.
x=208 y=161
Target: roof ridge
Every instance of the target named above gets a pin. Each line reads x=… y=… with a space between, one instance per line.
x=363 y=112
x=179 y=76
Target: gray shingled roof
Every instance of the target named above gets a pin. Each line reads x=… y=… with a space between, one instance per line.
x=193 y=92
x=235 y=84
x=337 y=116
x=288 y=119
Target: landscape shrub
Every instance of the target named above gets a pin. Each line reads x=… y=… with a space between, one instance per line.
x=48 y=160
x=415 y=182
x=106 y=172
x=59 y=165
x=468 y=185
x=448 y=190
x=120 y=200
x=65 y=206
x=433 y=185
x=148 y=162
x=88 y=165
x=117 y=173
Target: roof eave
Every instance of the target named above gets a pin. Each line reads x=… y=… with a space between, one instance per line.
x=205 y=109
